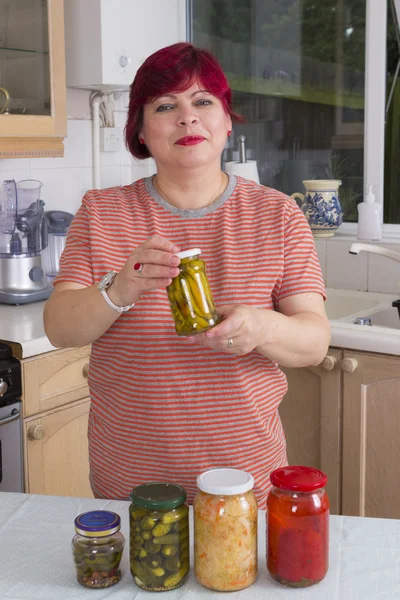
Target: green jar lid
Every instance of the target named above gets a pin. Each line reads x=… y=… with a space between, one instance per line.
x=158 y=495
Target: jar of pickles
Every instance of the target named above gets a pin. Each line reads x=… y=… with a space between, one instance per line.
x=298 y=526
x=190 y=296
x=225 y=530
x=97 y=547
x=159 y=536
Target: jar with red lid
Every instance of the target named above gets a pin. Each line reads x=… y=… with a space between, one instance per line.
x=298 y=526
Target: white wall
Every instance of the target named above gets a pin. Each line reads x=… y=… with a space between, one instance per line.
x=65 y=180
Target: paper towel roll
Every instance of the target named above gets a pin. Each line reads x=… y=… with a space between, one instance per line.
x=248 y=169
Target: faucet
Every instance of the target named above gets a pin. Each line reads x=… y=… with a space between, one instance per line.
x=356 y=248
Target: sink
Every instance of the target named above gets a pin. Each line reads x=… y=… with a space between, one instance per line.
x=342 y=303
x=388 y=317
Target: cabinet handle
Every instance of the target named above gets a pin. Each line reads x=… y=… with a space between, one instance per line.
x=328 y=363
x=36 y=432
x=349 y=365
x=85 y=371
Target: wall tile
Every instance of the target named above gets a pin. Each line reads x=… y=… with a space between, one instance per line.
x=14 y=173
x=56 y=162
x=127 y=175
x=110 y=176
x=13 y=165
x=384 y=273
x=344 y=270
x=78 y=144
x=76 y=182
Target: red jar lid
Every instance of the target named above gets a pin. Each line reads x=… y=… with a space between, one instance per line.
x=298 y=479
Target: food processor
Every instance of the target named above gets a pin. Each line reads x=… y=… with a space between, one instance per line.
x=22 y=239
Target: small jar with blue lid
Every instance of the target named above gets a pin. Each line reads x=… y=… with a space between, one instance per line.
x=97 y=547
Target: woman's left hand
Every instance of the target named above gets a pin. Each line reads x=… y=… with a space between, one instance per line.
x=238 y=333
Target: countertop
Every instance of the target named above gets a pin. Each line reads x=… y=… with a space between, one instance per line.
x=22 y=326
x=36 y=557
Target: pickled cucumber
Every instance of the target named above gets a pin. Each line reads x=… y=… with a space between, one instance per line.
x=170 y=538
x=161 y=529
x=169 y=550
x=173 y=580
x=176 y=515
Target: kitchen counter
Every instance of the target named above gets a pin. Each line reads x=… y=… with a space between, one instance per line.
x=22 y=326
x=36 y=557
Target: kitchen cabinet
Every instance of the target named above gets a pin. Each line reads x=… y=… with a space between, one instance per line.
x=343 y=417
x=55 y=418
x=311 y=414
x=33 y=118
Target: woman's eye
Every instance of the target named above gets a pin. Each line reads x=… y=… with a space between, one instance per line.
x=204 y=102
x=164 y=107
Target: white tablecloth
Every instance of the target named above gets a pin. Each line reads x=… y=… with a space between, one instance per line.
x=36 y=558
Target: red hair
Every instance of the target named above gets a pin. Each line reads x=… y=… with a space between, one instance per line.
x=173 y=69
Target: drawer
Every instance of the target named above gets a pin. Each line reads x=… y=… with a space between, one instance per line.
x=54 y=379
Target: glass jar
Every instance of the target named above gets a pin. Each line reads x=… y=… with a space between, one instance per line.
x=190 y=296
x=97 y=547
x=225 y=530
x=298 y=526
x=159 y=536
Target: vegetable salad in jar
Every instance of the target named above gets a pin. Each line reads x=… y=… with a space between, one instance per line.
x=225 y=530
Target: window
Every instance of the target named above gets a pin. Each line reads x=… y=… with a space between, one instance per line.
x=310 y=79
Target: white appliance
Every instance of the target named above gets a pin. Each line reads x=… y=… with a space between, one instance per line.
x=107 y=40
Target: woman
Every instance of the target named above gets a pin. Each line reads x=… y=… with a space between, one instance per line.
x=165 y=407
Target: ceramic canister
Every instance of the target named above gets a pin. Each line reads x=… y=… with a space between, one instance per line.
x=321 y=206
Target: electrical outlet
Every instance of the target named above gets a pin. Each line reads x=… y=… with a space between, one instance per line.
x=110 y=139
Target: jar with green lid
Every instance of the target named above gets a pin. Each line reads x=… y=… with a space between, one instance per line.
x=97 y=547
x=190 y=296
x=159 y=536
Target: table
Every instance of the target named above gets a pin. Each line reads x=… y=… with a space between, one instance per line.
x=36 y=557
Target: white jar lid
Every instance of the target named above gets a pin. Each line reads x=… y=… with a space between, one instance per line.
x=227 y=482
x=186 y=253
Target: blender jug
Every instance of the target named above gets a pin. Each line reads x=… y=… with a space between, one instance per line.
x=22 y=238
x=58 y=223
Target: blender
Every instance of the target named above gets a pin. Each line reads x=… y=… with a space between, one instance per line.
x=57 y=223
x=22 y=239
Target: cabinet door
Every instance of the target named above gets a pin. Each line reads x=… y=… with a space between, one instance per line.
x=32 y=70
x=311 y=416
x=54 y=379
x=56 y=452
x=371 y=426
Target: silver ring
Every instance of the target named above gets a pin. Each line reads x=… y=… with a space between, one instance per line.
x=230 y=343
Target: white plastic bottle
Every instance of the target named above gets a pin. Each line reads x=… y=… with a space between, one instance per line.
x=369 y=225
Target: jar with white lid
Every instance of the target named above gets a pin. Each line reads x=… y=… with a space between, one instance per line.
x=225 y=530
x=190 y=295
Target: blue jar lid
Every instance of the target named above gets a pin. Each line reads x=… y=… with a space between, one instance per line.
x=97 y=523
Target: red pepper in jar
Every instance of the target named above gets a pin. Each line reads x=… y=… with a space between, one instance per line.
x=298 y=526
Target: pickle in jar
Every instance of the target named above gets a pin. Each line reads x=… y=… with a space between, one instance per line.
x=190 y=297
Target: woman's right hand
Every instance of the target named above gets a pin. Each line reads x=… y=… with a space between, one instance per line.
x=159 y=266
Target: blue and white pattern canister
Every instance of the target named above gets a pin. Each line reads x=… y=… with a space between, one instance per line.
x=321 y=206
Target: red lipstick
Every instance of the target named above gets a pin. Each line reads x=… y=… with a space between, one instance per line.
x=190 y=140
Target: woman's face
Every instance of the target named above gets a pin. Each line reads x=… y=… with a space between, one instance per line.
x=186 y=129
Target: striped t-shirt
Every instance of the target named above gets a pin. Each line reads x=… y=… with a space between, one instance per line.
x=163 y=409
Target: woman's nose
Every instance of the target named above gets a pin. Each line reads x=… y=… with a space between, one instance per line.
x=187 y=117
